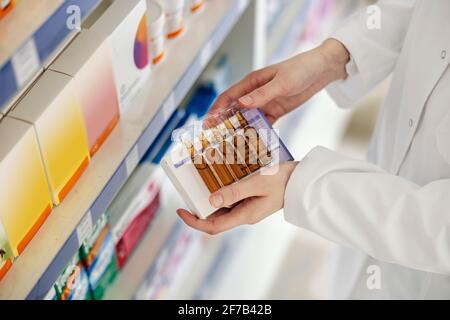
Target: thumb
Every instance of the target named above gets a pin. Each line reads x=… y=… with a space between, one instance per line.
x=263 y=95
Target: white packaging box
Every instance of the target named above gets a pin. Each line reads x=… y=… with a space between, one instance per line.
x=88 y=60
x=180 y=168
x=139 y=191
x=53 y=107
x=186 y=179
x=125 y=25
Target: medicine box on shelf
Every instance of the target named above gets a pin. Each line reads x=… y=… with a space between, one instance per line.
x=54 y=109
x=133 y=210
x=88 y=60
x=73 y=283
x=98 y=256
x=125 y=25
x=24 y=194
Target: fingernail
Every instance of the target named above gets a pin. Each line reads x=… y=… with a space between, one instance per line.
x=216 y=200
x=247 y=100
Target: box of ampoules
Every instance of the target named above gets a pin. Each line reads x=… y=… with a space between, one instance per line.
x=224 y=149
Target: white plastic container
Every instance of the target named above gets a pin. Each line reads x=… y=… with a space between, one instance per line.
x=196 y=5
x=155 y=24
x=174 y=12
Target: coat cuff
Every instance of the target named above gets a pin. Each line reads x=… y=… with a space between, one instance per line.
x=314 y=165
x=349 y=91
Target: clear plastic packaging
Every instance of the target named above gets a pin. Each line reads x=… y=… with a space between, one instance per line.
x=223 y=149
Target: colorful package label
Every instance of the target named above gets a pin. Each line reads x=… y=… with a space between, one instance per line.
x=104 y=257
x=142 y=200
x=6 y=254
x=97 y=91
x=130 y=55
x=73 y=284
x=24 y=207
x=62 y=125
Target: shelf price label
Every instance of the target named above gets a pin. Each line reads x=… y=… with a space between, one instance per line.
x=169 y=106
x=25 y=63
x=132 y=160
x=206 y=54
x=84 y=229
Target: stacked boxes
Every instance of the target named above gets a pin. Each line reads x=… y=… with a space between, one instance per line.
x=73 y=283
x=53 y=108
x=125 y=25
x=133 y=209
x=88 y=61
x=31 y=50
x=24 y=194
x=98 y=256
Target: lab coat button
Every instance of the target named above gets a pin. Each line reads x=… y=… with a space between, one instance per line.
x=411 y=123
x=444 y=54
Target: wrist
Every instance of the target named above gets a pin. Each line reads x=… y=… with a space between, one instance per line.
x=336 y=57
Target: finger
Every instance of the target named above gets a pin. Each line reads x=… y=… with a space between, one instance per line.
x=232 y=194
x=193 y=221
x=249 y=211
x=283 y=105
x=263 y=95
x=211 y=225
x=197 y=223
x=243 y=87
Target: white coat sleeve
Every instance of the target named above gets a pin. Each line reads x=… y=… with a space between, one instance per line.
x=374 y=51
x=359 y=205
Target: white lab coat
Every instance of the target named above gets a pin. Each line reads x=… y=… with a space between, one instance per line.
x=393 y=211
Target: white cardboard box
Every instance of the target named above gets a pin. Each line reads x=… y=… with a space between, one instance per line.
x=125 y=25
x=88 y=60
x=53 y=107
x=24 y=193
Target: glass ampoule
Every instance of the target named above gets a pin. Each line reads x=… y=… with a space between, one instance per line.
x=236 y=163
x=254 y=138
x=202 y=167
x=216 y=161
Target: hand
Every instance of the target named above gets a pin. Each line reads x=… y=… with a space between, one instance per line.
x=280 y=88
x=254 y=198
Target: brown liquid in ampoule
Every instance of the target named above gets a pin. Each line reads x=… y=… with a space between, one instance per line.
x=264 y=154
x=203 y=169
x=238 y=167
x=217 y=162
x=249 y=154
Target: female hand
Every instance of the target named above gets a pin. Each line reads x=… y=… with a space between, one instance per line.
x=280 y=88
x=254 y=198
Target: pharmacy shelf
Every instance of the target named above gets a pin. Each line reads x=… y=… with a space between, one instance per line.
x=137 y=267
x=29 y=15
x=35 y=271
x=283 y=32
x=31 y=36
x=131 y=276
